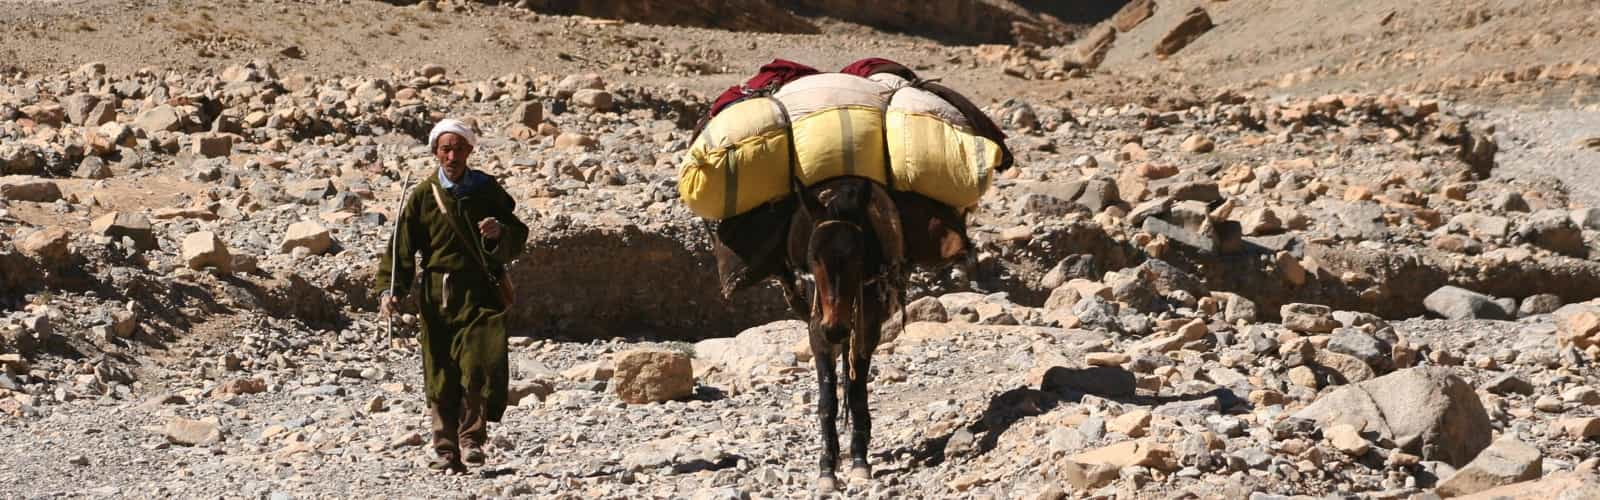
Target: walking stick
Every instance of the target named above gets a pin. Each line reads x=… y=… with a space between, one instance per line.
x=394 y=256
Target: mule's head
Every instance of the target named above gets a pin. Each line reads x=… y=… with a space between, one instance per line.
x=840 y=250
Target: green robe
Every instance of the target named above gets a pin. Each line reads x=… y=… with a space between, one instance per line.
x=463 y=324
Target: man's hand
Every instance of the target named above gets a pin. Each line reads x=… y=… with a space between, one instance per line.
x=387 y=305
x=489 y=228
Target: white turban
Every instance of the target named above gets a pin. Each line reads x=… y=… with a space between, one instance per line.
x=451 y=126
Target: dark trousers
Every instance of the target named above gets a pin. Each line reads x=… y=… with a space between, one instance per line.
x=459 y=422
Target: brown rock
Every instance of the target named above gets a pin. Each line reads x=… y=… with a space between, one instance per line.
x=1132 y=14
x=28 y=188
x=1580 y=330
x=528 y=114
x=212 y=145
x=307 y=234
x=49 y=246
x=599 y=100
x=1289 y=269
x=185 y=432
x=521 y=390
x=1198 y=144
x=1309 y=318
x=1507 y=461
x=241 y=386
x=1131 y=424
x=1197 y=22
x=1570 y=485
x=1144 y=452
x=1303 y=376
x=1111 y=359
x=1156 y=171
x=652 y=375
x=204 y=249
x=119 y=225
x=570 y=140
x=1347 y=439
x=1351 y=368
x=1580 y=428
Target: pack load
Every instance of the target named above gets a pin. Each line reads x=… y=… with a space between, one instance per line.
x=933 y=150
x=837 y=126
x=740 y=160
x=876 y=121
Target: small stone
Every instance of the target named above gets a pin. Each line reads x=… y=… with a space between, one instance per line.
x=599 y=100
x=1549 y=404
x=652 y=375
x=1586 y=396
x=203 y=249
x=78 y=460
x=1303 y=376
x=185 y=432
x=1453 y=302
x=1198 y=144
x=1509 y=383
x=528 y=114
x=118 y=225
x=93 y=167
x=49 y=246
x=570 y=140
x=1111 y=359
x=1131 y=424
x=241 y=386
x=29 y=188
x=1580 y=428
x=1309 y=318
x=212 y=145
x=158 y=119
x=1345 y=438
x=307 y=234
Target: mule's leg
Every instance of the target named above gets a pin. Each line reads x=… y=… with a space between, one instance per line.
x=860 y=419
x=827 y=410
x=870 y=333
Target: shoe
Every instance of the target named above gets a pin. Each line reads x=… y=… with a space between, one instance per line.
x=447 y=463
x=473 y=455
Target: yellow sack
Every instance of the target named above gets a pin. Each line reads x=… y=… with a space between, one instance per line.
x=934 y=153
x=740 y=160
x=840 y=141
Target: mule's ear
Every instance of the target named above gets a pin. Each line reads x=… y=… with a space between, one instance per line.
x=805 y=199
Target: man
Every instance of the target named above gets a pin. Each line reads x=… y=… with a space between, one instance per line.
x=461 y=223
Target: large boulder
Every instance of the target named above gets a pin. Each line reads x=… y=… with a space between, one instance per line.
x=652 y=375
x=1425 y=411
x=1452 y=302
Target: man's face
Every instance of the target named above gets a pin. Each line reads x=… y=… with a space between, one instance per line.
x=452 y=152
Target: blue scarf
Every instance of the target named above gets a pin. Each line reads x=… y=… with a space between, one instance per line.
x=470 y=183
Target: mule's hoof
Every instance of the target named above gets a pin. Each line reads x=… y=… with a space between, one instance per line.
x=826 y=485
x=861 y=472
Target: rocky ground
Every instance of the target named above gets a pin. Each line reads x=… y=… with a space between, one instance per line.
x=1236 y=286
